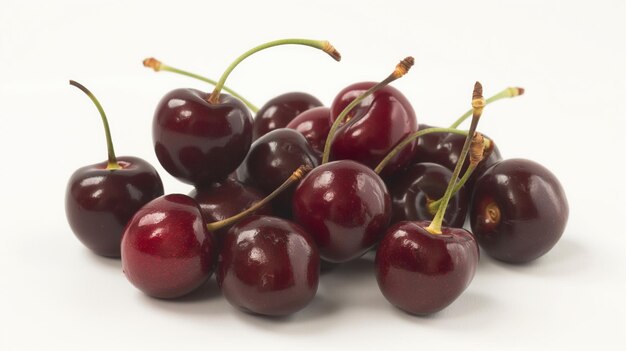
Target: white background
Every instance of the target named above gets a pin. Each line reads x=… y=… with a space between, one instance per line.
x=569 y=55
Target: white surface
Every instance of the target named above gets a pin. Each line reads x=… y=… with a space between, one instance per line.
x=569 y=56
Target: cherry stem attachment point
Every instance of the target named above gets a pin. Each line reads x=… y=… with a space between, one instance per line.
x=401 y=69
x=477 y=149
x=157 y=66
x=295 y=176
x=478 y=103
x=506 y=93
x=318 y=44
x=112 y=160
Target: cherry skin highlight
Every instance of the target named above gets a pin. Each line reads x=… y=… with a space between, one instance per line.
x=518 y=210
x=167 y=251
x=373 y=127
x=269 y=266
x=422 y=273
x=412 y=189
x=281 y=110
x=199 y=142
x=345 y=206
x=272 y=159
x=314 y=125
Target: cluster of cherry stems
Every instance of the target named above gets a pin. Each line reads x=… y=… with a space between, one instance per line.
x=301 y=187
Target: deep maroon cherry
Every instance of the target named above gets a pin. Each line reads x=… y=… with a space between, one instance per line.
x=518 y=210
x=199 y=142
x=422 y=273
x=167 y=251
x=279 y=111
x=345 y=206
x=219 y=201
x=314 y=124
x=101 y=198
x=373 y=127
x=271 y=159
x=415 y=187
x=268 y=266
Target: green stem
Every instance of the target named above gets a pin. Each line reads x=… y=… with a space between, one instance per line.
x=406 y=141
x=318 y=44
x=112 y=161
x=506 y=93
x=435 y=225
x=401 y=69
x=295 y=176
x=434 y=205
x=157 y=65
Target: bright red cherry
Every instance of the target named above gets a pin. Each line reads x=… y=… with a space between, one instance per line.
x=101 y=198
x=268 y=266
x=167 y=251
x=281 y=110
x=345 y=206
x=519 y=210
x=314 y=125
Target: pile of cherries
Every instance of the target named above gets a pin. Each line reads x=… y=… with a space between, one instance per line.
x=301 y=186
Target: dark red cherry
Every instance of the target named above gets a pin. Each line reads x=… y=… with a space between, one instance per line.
x=272 y=159
x=518 y=210
x=99 y=202
x=314 y=124
x=422 y=273
x=427 y=146
x=101 y=198
x=279 y=111
x=200 y=142
x=219 y=201
x=413 y=188
x=268 y=266
x=167 y=251
x=345 y=206
x=373 y=127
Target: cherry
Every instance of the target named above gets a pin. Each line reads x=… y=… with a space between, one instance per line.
x=273 y=157
x=373 y=127
x=101 y=198
x=422 y=267
x=219 y=201
x=414 y=188
x=201 y=138
x=314 y=125
x=279 y=111
x=518 y=210
x=422 y=273
x=268 y=266
x=167 y=251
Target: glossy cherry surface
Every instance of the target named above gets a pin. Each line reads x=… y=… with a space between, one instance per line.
x=268 y=266
x=219 y=201
x=167 y=251
x=99 y=202
x=373 y=127
x=198 y=142
x=518 y=211
x=279 y=111
x=271 y=160
x=314 y=124
x=412 y=189
x=345 y=206
x=422 y=273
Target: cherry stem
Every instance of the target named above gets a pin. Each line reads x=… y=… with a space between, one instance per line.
x=506 y=93
x=478 y=103
x=401 y=69
x=157 y=66
x=295 y=176
x=318 y=44
x=112 y=161
x=477 y=149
